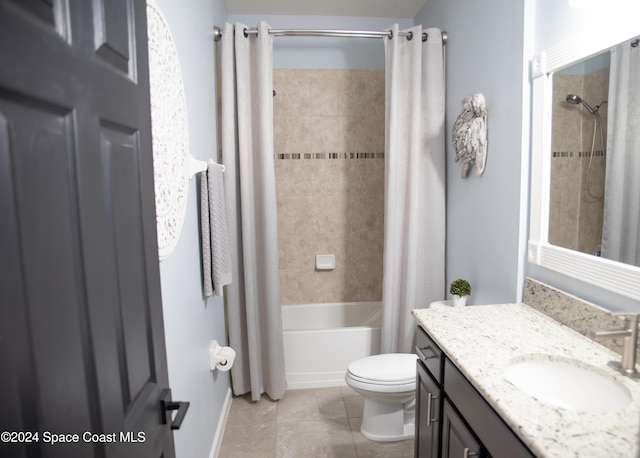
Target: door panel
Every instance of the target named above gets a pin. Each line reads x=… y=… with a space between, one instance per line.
x=81 y=331
x=37 y=151
x=112 y=33
x=42 y=10
x=428 y=413
x=119 y=151
x=457 y=438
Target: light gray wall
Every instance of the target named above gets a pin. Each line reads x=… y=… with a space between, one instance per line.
x=555 y=22
x=190 y=321
x=485 y=215
x=323 y=52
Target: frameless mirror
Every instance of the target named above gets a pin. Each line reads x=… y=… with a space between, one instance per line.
x=585 y=188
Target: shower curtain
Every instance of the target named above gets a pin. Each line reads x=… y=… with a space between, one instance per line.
x=621 y=228
x=414 y=221
x=253 y=299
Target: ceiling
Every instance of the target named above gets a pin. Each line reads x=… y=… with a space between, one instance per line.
x=361 y=8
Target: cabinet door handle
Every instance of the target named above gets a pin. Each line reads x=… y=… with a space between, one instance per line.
x=430 y=398
x=423 y=356
x=468 y=453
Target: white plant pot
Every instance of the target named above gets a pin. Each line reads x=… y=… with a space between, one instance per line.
x=459 y=301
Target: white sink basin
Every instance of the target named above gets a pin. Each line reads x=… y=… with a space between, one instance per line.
x=568 y=384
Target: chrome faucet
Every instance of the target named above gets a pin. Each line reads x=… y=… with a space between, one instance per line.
x=629 y=333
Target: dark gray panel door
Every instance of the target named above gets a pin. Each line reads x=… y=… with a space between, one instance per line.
x=81 y=332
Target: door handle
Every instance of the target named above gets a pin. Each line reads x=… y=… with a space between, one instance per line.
x=168 y=406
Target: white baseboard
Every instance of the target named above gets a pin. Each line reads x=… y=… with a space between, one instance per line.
x=222 y=422
x=303 y=380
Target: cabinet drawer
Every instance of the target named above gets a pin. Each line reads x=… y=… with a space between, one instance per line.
x=492 y=431
x=430 y=354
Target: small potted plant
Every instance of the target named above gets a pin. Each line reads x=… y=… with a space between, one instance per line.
x=460 y=289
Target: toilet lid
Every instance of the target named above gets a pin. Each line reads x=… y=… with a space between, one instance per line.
x=391 y=367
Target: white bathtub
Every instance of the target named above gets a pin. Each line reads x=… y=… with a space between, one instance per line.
x=320 y=340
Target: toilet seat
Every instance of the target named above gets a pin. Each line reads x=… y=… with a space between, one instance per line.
x=394 y=372
x=407 y=381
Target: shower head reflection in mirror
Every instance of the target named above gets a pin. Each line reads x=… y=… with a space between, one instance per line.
x=575 y=100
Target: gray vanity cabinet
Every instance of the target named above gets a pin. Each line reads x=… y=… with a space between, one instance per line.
x=429 y=396
x=452 y=419
x=428 y=414
x=457 y=439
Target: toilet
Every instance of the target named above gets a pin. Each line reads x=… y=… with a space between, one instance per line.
x=388 y=385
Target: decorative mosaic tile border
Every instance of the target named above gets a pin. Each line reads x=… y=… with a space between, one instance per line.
x=578 y=154
x=289 y=156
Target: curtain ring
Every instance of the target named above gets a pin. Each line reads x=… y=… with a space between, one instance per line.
x=390 y=34
x=634 y=43
x=244 y=32
x=409 y=36
x=425 y=36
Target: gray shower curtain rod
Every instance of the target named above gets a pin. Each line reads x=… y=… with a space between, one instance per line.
x=217 y=33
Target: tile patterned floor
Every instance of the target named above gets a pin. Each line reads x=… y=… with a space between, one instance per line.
x=314 y=423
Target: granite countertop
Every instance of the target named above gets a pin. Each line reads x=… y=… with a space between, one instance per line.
x=482 y=341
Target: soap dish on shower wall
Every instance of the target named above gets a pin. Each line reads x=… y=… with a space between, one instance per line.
x=325 y=261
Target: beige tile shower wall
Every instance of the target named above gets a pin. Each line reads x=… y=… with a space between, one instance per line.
x=329 y=204
x=575 y=219
x=566 y=175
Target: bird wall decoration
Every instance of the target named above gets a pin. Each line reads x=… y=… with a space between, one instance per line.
x=469 y=134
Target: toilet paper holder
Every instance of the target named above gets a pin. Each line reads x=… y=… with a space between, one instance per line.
x=219 y=357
